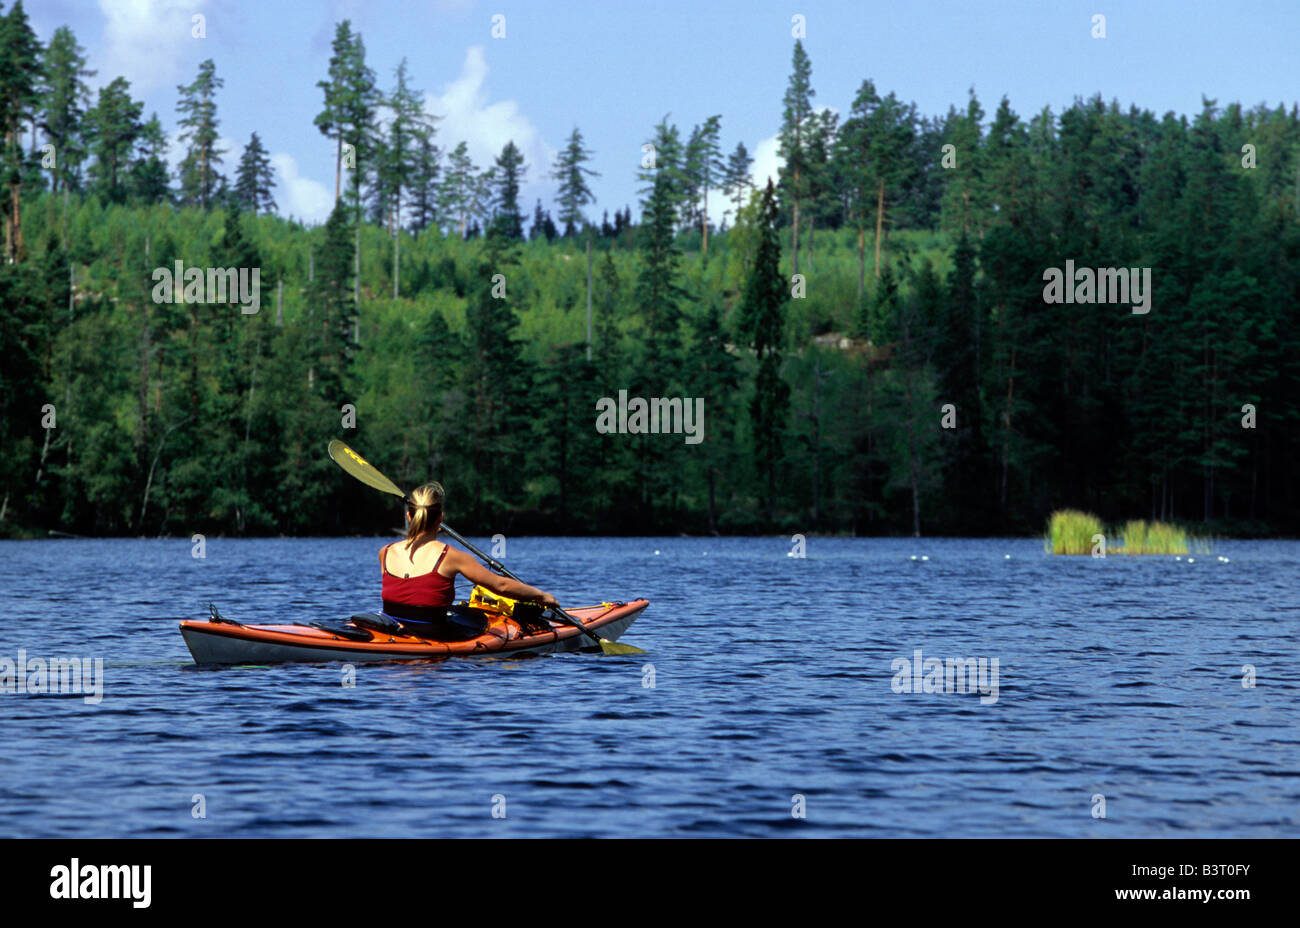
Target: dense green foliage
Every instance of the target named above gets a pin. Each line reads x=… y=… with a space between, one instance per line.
x=929 y=389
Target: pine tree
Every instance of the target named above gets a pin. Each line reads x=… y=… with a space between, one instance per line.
x=703 y=169
x=796 y=115
x=963 y=208
x=20 y=76
x=254 y=178
x=113 y=127
x=64 y=106
x=200 y=180
x=333 y=117
x=351 y=99
x=875 y=144
x=736 y=180
x=397 y=161
x=821 y=172
x=149 y=175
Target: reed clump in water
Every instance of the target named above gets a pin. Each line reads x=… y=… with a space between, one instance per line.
x=1070 y=531
x=1142 y=537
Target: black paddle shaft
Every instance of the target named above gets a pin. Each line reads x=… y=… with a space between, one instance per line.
x=502 y=569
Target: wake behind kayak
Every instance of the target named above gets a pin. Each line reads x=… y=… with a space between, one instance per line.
x=223 y=641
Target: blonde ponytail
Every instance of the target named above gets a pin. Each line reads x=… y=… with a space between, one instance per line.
x=425 y=510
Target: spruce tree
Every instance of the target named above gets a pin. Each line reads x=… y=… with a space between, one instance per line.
x=507 y=179
x=334 y=309
x=668 y=162
x=715 y=374
x=497 y=383
x=254 y=178
x=658 y=294
x=571 y=172
x=425 y=181
x=762 y=319
x=463 y=194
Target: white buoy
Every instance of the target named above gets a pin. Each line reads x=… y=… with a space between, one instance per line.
x=913 y=557
x=656 y=550
x=925 y=557
x=1191 y=560
x=1006 y=557
x=1178 y=557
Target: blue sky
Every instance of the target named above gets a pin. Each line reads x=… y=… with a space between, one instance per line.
x=614 y=68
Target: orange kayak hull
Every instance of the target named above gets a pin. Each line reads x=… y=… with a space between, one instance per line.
x=229 y=643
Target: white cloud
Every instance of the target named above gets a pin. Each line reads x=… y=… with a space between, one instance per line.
x=146 y=41
x=486 y=127
x=301 y=197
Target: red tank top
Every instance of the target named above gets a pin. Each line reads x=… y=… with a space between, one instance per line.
x=431 y=589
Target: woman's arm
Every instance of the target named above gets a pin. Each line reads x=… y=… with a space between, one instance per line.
x=475 y=572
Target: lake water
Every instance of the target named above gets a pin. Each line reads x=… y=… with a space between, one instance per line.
x=773 y=694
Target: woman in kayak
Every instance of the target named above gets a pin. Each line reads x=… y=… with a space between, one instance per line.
x=419 y=575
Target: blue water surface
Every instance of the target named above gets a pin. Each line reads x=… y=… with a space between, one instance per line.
x=773 y=696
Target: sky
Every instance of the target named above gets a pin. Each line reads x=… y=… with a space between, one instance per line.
x=613 y=69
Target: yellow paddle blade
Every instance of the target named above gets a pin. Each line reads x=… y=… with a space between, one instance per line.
x=613 y=647
x=362 y=469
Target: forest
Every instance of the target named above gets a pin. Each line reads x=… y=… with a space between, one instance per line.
x=869 y=334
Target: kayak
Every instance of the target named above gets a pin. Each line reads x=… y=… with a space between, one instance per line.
x=376 y=637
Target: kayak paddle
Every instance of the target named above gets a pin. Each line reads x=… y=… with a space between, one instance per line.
x=368 y=474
